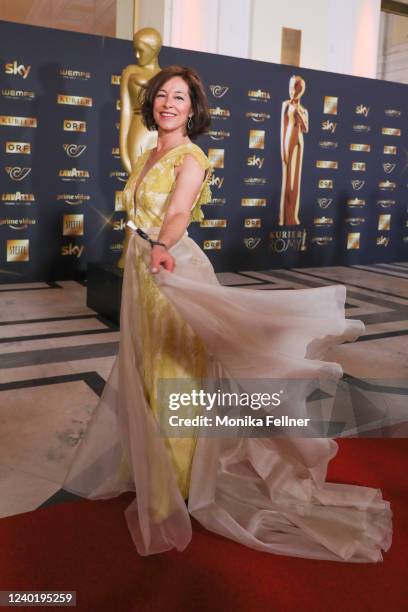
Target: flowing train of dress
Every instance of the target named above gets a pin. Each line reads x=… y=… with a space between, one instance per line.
x=269 y=494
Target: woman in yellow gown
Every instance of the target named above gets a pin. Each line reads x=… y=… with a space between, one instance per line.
x=177 y=322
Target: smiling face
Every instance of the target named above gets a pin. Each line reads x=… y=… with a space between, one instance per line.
x=172 y=106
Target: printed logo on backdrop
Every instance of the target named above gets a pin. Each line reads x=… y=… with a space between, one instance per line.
x=256 y=139
x=357 y=185
x=363 y=129
x=120 y=176
x=331 y=165
x=218 y=134
x=257 y=95
x=16 y=69
x=356 y=203
x=18 y=250
x=284 y=240
x=353 y=240
x=329 y=126
x=213 y=223
x=18 y=198
x=361 y=109
x=17 y=94
x=330 y=104
x=253 y=202
x=68 y=73
x=220 y=113
x=388 y=168
x=389 y=150
x=73 y=225
x=74 y=150
x=322 y=240
x=392 y=112
x=255 y=161
x=216 y=157
x=386 y=203
x=73 y=250
x=217 y=202
x=328 y=144
x=72 y=125
x=30 y=122
x=74 y=175
x=216 y=181
x=322 y=221
x=16 y=173
x=257 y=117
x=355 y=220
x=384 y=222
x=390 y=131
x=209 y=245
x=252 y=223
x=18 y=147
x=115 y=79
x=364 y=148
x=325 y=184
x=218 y=91
x=324 y=202
x=387 y=185
x=115 y=152
x=18 y=224
x=382 y=241
x=74 y=100
x=119 y=224
x=252 y=243
x=254 y=181
x=358 y=166
x=73 y=199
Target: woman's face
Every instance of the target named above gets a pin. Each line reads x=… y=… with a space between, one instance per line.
x=172 y=105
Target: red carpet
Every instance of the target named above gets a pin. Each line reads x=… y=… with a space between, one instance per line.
x=85 y=546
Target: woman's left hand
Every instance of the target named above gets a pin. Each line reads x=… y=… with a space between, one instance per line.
x=161 y=257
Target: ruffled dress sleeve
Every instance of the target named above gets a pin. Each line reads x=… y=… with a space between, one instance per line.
x=204 y=196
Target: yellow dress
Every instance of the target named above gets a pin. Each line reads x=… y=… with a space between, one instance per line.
x=170 y=349
x=268 y=493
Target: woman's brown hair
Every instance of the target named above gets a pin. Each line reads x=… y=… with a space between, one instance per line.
x=201 y=115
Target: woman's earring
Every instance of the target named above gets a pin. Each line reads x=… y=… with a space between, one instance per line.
x=189 y=124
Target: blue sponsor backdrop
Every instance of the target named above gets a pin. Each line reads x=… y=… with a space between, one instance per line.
x=58 y=186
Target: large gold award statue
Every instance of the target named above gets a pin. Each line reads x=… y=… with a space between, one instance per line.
x=294 y=123
x=134 y=137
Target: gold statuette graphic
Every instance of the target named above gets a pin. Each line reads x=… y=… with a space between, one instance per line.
x=134 y=137
x=384 y=222
x=353 y=240
x=216 y=157
x=294 y=123
x=256 y=139
x=73 y=225
x=18 y=250
x=330 y=105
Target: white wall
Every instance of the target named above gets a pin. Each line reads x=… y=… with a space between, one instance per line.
x=337 y=35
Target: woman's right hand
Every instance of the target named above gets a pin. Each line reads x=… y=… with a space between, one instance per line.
x=161 y=257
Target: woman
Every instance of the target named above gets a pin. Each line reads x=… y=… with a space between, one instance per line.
x=178 y=323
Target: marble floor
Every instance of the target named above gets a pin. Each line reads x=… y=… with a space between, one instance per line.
x=56 y=354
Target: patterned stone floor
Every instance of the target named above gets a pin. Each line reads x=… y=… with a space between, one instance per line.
x=55 y=355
